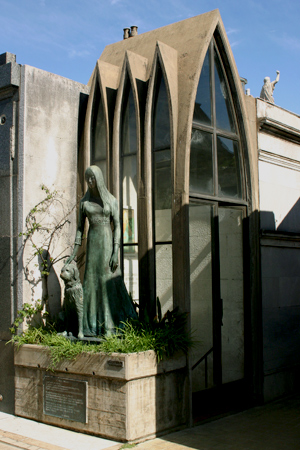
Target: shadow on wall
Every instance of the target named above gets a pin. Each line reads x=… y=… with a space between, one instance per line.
x=290 y=223
x=51 y=288
x=280 y=285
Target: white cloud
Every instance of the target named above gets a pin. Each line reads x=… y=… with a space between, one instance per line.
x=288 y=42
x=73 y=53
x=235 y=43
x=291 y=42
x=232 y=31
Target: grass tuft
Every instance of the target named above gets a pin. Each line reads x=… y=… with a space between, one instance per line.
x=166 y=337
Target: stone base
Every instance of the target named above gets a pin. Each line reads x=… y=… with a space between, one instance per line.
x=129 y=396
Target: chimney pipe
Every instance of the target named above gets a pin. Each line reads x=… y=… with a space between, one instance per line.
x=134 y=31
x=126 y=34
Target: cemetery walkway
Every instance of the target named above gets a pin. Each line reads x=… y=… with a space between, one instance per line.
x=274 y=426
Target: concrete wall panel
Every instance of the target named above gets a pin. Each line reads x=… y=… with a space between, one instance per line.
x=50 y=149
x=280 y=268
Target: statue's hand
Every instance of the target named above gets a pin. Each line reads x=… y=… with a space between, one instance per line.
x=277 y=71
x=113 y=264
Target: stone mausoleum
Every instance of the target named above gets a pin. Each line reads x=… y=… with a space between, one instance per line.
x=208 y=184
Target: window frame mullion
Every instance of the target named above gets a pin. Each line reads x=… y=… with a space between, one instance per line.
x=213 y=109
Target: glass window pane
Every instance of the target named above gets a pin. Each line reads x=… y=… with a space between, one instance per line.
x=161 y=115
x=163 y=195
x=164 y=288
x=229 y=179
x=103 y=166
x=231 y=271
x=201 y=293
x=98 y=127
x=130 y=229
x=129 y=144
x=98 y=133
x=131 y=271
x=224 y=113
x=202 y=111
x=201 y=163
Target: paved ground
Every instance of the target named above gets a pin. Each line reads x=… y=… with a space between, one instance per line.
x=18 y=433
x=275 y=426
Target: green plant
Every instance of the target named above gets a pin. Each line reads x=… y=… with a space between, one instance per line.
x=165 y=336
x=129 y=339
x=44 y=225
x=128 y=446
x=34 y=226
x=60 y=348
x=169 y=331
x=29 y=312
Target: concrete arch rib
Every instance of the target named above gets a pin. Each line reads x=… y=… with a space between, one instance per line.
x=106 y=77
x=115 y=166
x=190 y=62
x=189 y=70
x=137 y=67
x=85 y=160
x=168 y=58
x=239 y=100
x=134 y=70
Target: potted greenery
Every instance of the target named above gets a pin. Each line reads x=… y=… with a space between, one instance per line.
x=133 y=384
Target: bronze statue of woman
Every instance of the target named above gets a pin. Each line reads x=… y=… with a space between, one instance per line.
x=106 y=303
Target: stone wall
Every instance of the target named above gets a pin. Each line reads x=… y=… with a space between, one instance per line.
x=48 y=147
x=40 y=137
x=279 y=189
x=130 y=397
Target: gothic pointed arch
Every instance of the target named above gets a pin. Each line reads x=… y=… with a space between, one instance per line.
x=225 y=104
x=216 y=163
x=160 y=142
x=99 y=119
x=126 y=157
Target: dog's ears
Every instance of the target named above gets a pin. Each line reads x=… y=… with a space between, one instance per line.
x=75 y=273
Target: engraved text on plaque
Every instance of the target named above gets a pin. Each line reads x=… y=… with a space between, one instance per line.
x=65 y=398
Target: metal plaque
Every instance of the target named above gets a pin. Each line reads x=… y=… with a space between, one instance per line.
x=114 y=363
x=66 y=399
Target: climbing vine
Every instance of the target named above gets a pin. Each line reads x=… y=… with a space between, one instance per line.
x=44 y=225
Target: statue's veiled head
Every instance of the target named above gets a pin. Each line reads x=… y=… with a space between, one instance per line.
x=94 y=178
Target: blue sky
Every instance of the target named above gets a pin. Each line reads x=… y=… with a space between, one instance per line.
x=67 y=37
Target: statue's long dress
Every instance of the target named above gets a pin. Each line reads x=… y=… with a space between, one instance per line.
x=106 y=300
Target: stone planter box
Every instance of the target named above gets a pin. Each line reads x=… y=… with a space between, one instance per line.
x=125 y=397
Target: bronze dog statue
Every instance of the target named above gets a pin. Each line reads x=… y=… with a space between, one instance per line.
x=73 y=293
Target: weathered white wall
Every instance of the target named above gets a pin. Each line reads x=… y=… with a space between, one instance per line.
x=48 y=149
x=279 y=190
x=279 y=169
x=39 y=144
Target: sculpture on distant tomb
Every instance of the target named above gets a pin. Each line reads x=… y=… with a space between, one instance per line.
x=106 y=302
x=268 y=88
